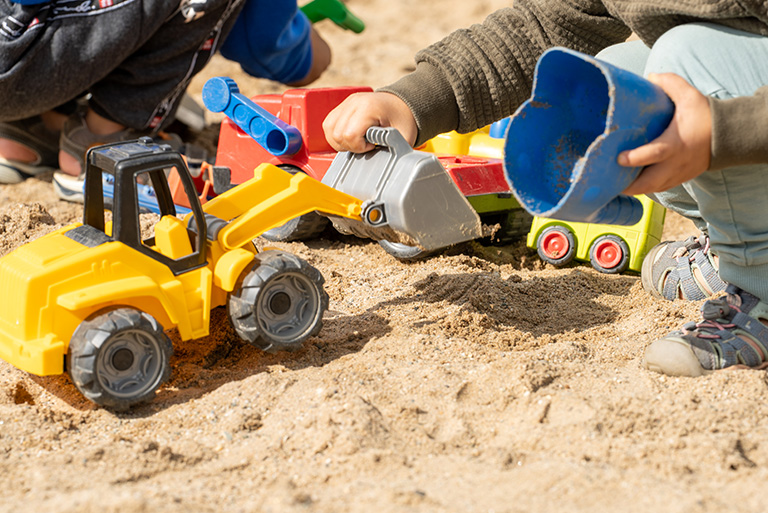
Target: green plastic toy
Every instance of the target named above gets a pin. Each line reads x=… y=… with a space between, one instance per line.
x=334 y=10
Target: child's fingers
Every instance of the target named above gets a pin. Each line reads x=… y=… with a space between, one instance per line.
x=663 y=147
x=346 y=125
x=674 y=85
x=351 y=131
x=351 y=134
x=654 y=158
x=660 y=148
x=654 y=152
x=651 y=179
x=345 y=129
x=329 y=123
x=682 y=152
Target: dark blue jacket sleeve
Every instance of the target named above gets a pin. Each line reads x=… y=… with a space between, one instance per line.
x=271 y=39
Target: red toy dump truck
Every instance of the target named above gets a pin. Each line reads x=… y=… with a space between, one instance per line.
x=246 y=141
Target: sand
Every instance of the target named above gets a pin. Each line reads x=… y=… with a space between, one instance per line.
x=480 y=380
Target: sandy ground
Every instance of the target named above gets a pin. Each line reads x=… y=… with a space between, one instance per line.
x=480 y=380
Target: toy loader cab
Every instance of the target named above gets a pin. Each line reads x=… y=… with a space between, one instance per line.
x=133 y=165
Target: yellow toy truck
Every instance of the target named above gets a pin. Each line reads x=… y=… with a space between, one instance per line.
x=611 y=249
x=93 y=299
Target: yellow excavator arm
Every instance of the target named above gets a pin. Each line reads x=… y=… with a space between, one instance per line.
x=271 y=198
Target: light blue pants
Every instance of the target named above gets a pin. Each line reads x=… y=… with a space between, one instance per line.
x=730 y=205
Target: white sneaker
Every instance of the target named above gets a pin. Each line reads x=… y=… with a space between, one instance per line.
x=69 y=187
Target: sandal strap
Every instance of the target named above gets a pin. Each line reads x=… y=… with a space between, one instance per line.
x=708 y=270
x=753 y=327
x=731 y=334
x=671 y=285
x=675 y=273
x=32 y=133
x=735 y=351
x=691 y=289
x=724 y=341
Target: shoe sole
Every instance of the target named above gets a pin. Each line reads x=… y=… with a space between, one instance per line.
x=65 y=193
x=673 y=359
x=646 y=271
x=12 y=172
x=9 y=175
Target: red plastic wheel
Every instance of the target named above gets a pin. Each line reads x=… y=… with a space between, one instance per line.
x=608 y=253
x=555 y=244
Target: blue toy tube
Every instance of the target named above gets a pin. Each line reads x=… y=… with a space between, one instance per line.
x=561 y=144
x=221 y=94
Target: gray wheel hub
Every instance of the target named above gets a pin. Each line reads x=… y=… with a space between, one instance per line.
x=288 y=306
x=129 y=365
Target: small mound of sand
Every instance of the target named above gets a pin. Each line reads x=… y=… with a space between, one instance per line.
x=20 y=223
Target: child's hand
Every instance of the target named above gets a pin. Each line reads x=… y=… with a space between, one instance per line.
x=345 y=126
x=683 y=151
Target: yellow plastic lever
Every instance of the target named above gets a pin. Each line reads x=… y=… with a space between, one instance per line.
x=271 y=198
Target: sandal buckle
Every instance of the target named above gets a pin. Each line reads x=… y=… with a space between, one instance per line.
x=715 y=309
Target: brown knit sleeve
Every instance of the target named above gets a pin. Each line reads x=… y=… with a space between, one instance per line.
x=481 y=74
x=739 y=130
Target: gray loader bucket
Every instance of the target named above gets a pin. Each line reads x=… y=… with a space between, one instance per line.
x=408 y=196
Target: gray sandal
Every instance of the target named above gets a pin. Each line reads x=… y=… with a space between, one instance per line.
x=33 y=134
x=730 y=334
x=668 y=270
x=76 y=139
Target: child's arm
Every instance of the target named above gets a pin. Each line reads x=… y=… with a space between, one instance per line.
x=481 y=74
x=705 y=134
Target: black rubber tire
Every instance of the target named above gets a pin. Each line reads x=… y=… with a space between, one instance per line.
x=404 y=252
x=278 y=303
x=306 y=227
x=567 y=256
x=118 y=358
x=513 y=225
x=623 y=263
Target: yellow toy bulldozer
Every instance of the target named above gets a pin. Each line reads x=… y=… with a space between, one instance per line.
x=94 y=298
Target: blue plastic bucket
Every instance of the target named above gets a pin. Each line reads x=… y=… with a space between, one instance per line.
x=561 y=144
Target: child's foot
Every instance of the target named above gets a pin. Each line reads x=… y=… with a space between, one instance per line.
x=732 y=334
x=29 y=147
x=85 y=130
x=682 y=270
x=81 y=131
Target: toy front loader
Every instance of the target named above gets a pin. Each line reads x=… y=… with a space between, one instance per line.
x=95 y=298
